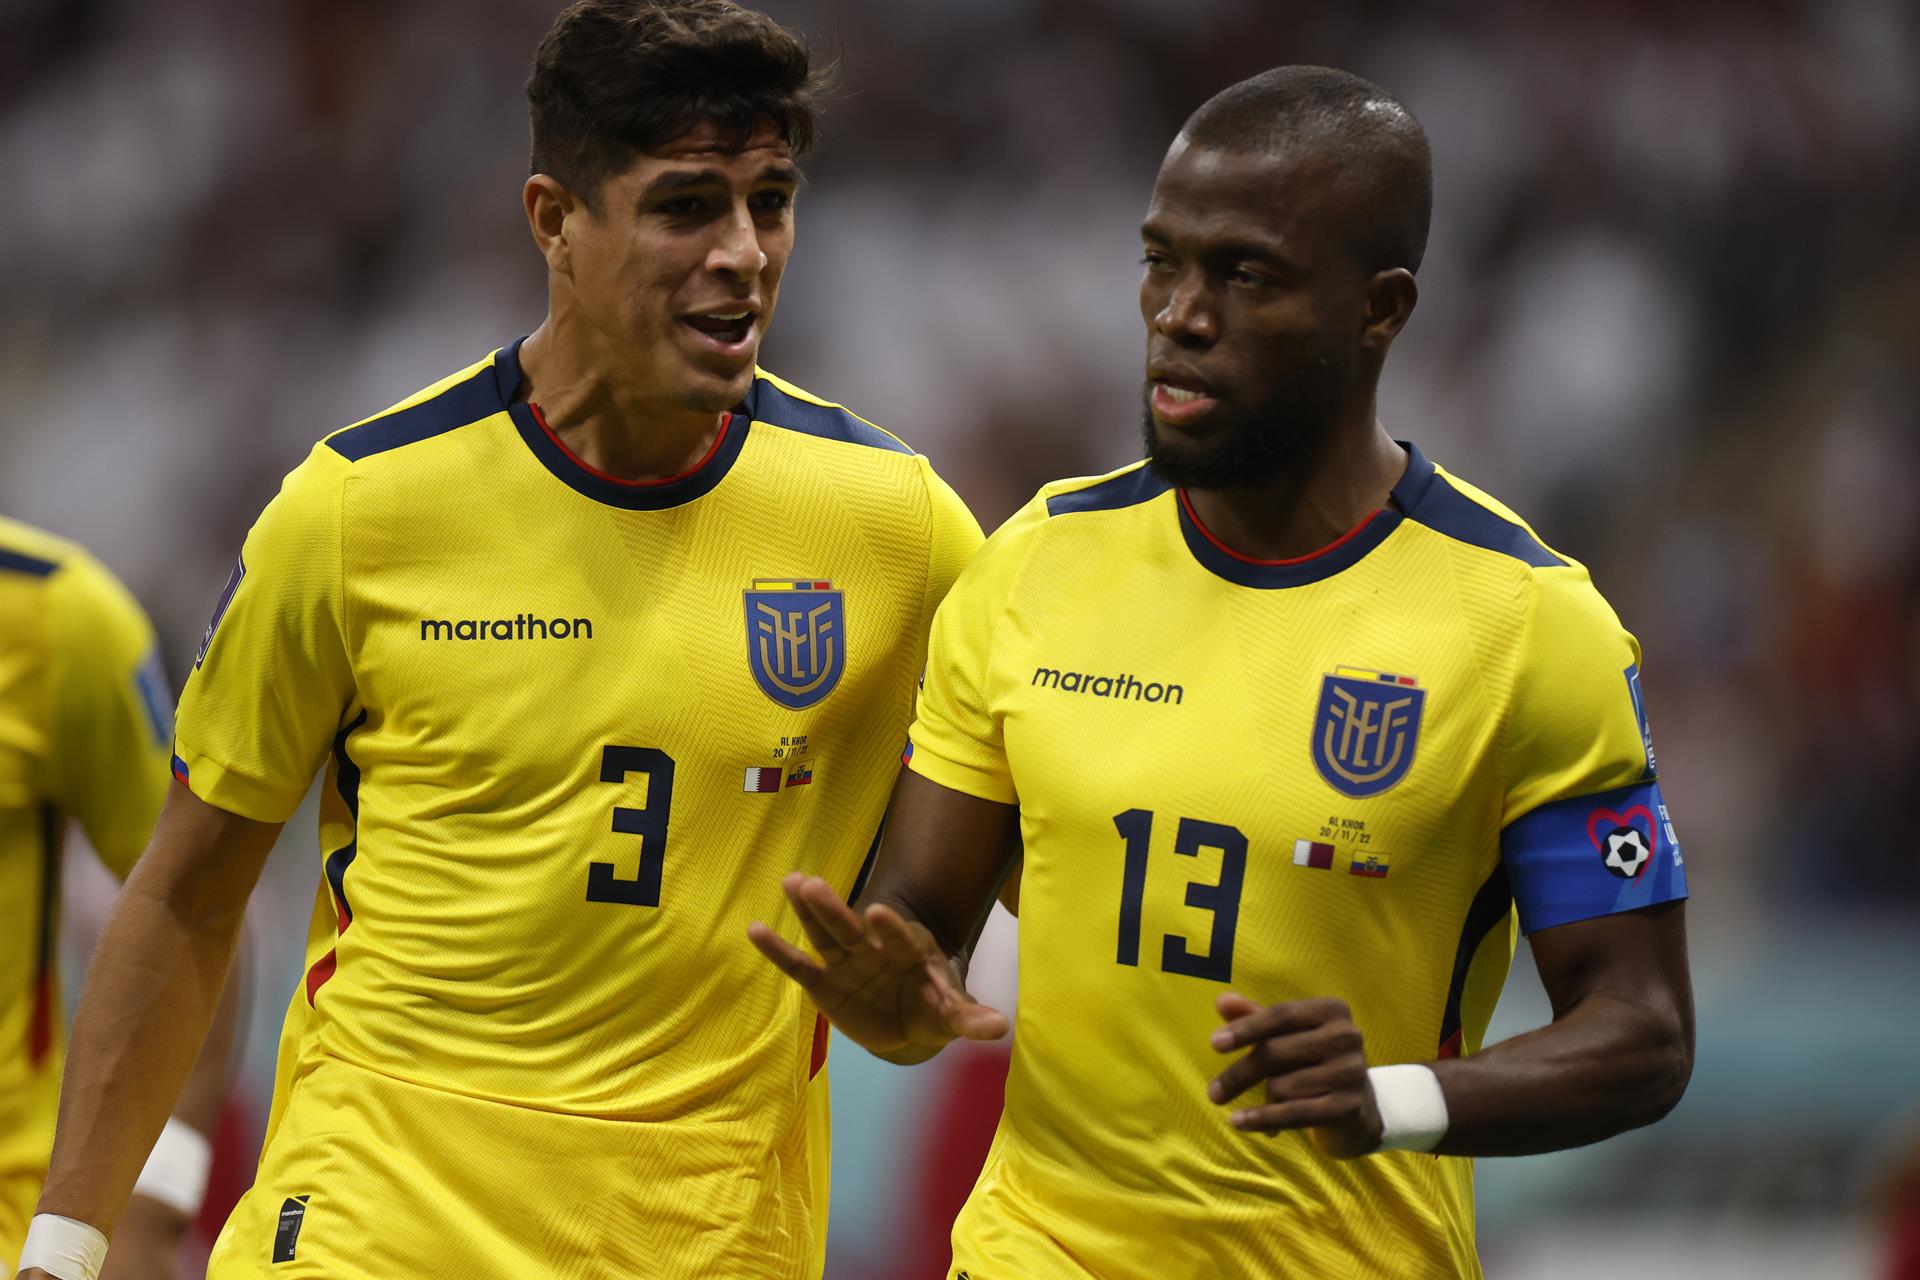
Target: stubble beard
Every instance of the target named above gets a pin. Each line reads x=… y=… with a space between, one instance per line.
x=1273 y=439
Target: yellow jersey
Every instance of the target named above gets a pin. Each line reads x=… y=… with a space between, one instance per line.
x=1346 y=775
x=85 y=718
x=574 y=731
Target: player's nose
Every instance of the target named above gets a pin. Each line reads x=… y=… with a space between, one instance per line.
x=1187 y=317
x=737 y=251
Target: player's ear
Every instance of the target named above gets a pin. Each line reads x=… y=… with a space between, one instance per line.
x=548 y=203
x=1391 y=296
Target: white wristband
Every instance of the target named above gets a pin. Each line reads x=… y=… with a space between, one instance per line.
x=1413 y=1110
x=176 y=1170
x=63 y=1248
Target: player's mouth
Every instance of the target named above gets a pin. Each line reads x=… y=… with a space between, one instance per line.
x=1179 y=398
x=730 y=332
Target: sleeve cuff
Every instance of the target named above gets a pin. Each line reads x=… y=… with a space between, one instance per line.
x=228 y=789
x=982 y=784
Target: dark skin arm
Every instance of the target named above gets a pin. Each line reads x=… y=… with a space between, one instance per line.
x=151 y=993
x=1616 y=1056
x=891 y=969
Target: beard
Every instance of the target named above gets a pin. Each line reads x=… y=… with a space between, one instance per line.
x=1255 y=446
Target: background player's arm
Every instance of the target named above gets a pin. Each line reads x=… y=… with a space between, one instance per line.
x=112 y=737
x=1617 y=1054
x=891 y=970
x=150 y=996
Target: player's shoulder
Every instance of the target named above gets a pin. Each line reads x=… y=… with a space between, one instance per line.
x=29 y=552
x=1552 y=589
x=1131 y=486
x=32 y=553
x=1474 y=521
x=461 y=399
x=1064 y=507
x=83 y=602
x=312 y=492
x=774 y=402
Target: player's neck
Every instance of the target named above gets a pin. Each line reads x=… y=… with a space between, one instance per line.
x=602 y=421
x=1305 y=510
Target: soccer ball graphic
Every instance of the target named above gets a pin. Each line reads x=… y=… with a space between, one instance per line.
x=1627 y=852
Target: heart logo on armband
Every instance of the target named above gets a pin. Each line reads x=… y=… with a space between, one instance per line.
x=1626 y=846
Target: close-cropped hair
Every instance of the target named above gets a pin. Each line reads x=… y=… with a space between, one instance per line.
x=1369 y=132
x=615 y=78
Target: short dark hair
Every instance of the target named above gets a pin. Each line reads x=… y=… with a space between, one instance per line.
x=1357 y=124
x=614 y=78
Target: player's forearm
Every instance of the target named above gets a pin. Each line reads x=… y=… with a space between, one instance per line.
x=1605 y=1066
x=944 y=857
x=150 y=996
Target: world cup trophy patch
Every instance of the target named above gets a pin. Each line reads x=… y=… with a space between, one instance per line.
x=1366 y=729
x=796 y=639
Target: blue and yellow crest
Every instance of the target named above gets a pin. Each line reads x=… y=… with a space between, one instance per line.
x=796 y=639
x=1366 y=729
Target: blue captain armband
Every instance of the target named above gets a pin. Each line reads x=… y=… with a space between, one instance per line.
x=1594 y=855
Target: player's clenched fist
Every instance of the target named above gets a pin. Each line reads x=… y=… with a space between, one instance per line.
x=882 y=979
x=1313 y=1064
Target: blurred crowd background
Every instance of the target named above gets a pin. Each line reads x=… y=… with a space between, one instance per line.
x=1666 y=314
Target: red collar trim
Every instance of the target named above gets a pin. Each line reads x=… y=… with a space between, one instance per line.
x=726 y=422
x=1224 y=549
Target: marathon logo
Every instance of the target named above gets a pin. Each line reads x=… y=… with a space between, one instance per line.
x=522 y=626
x=1125 y=686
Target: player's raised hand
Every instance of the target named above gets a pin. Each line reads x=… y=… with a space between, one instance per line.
x=882 y=979
x=1313 y=1064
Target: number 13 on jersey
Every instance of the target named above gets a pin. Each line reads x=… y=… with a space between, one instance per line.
x=1222 y=898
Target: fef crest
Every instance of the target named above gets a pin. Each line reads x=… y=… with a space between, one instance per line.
x=796 y=639
x=1366 y=729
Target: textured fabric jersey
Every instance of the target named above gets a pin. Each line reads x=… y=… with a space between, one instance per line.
x=1338 y=776
x=574 y=732
x=85 y=717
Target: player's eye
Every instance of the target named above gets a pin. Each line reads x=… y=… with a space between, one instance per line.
x=1244 y=276
x=684 y=207
x=1154 y=261
x=773 y=201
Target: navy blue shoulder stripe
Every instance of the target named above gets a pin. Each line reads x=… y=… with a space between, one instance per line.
x=460 y=404
x=1445 y=509
x=1128 y=489
x=768 y=403
x=20 y=562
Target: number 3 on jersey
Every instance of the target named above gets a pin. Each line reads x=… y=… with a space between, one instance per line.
x=649 y=822
x=1222 y=899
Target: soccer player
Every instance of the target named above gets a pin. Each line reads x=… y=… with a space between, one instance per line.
x=85 y=718
x=593 y=639
x=1292 y=725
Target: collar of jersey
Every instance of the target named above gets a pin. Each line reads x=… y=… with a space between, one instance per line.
x=634 y=496
x=1342 y=555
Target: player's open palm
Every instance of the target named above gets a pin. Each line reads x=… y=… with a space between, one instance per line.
x=880 y=978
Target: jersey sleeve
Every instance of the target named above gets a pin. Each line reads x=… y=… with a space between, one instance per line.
x=956 y=737
x=112 y=711
x=956 y=540
x=1585 y=830
x=272 y=679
